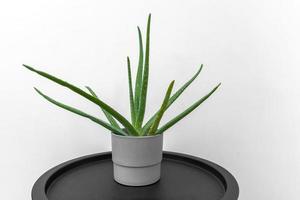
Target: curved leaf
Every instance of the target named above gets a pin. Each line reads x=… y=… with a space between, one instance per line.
x=139 y=75
x=132 y=111
x=171 y=100
x=143 y=97
x=110 y=118
x=186 y=112
x=83 y=114
x=79 y=91
x=161 y=110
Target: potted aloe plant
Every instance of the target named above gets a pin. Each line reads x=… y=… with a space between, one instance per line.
x=136 y=146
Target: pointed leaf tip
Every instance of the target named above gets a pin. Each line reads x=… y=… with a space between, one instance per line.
x=97 y=101
x=187 y=111
x=172 y=99
x=28 y=67
x=161 y=110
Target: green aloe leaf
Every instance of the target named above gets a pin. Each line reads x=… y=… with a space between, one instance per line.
x=161 y=110
x=143 y=97
x=83 y=114
x=139 y=75
x=110 y=118
x=79 y=91
x=132 y=110
x=186 y=112
x=171 y=100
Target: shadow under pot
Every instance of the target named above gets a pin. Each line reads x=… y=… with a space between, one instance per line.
x=136 y=160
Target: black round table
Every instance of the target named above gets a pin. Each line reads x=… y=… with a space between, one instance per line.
x=91 y=178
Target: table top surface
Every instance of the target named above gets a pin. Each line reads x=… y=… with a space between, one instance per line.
x=91 y=178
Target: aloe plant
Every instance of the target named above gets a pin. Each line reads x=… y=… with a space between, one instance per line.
x=117 y=123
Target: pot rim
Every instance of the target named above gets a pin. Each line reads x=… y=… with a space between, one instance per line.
x=136 y=137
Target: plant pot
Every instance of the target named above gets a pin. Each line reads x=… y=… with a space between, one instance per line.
x=136 y=160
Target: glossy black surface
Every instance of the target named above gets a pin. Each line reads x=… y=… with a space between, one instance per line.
x=91 y=178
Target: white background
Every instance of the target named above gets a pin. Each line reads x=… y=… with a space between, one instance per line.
x=250 y=125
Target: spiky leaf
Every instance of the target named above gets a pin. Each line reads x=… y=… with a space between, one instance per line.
x=83 y=114
x=186 y=112
x=143 y=97
x=79 y=91
x=132 y=110
x=161 y=110
x=139 y=74
x=171 y=100
x=110 y=118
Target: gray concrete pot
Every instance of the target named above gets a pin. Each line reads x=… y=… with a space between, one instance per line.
x=136 y=160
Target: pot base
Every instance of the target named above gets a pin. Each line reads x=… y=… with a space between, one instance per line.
x=136 y=176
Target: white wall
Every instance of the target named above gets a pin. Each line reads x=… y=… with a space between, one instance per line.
x=249 y=126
